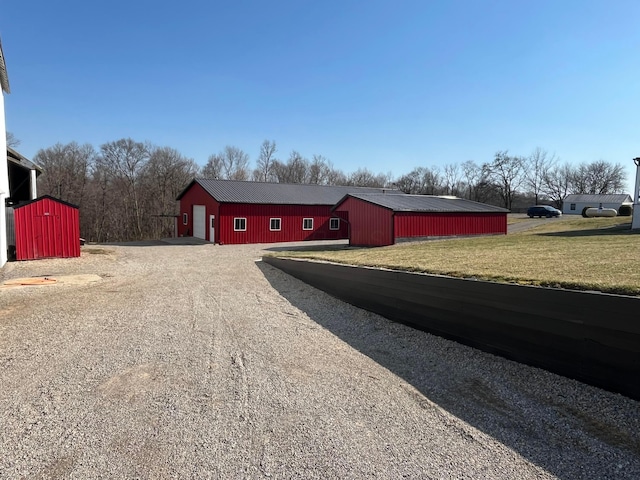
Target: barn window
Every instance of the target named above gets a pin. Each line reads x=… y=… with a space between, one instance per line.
x=334 y=224
x=307 y=223
x=185 y=218
x=274 y=224
x=573 y=206
x=240 y=224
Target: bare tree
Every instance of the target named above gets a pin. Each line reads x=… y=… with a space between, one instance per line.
x=556 y=183
x=336 y=176
x=125 y=192
x=599 y=177
x=165 y=175
x=452 y=179
x=421 y=181
x=12 y=141
x=319 y=170
x=298 y=168
x=65 y=171
x=506 y=173
x=123 y=161
x=230 y=164
x=364 y=177
x=535 y=168
x=99 y=215
x=214 y=169
x=474 y=179
x=264 y=164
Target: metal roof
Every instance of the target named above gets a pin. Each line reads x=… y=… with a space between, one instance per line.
x=612 y=198
x=425 y=203
x=43 y=197
x=4 y=79
x=235 y=191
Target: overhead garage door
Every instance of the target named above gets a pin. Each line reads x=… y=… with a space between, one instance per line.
x=199 y=223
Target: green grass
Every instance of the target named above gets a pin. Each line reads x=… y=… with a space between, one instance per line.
x=600 y=254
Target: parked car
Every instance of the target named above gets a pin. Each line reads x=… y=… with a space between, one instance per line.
x=543 y=211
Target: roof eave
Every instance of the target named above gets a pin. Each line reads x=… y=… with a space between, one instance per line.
x=186 y=189
x=19 y=159
x=4 y=78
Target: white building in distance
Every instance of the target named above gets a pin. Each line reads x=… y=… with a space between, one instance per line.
x=575 y=203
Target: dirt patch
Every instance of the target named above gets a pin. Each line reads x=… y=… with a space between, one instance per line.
x=97 y=251
x=82 y=279
x=131 y=383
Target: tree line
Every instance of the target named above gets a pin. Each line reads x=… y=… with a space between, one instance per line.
x=126 y=190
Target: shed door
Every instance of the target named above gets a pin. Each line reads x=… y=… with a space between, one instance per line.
x=199 y=221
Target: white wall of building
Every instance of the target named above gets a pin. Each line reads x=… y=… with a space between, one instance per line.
x=635 y=221
x=4 y=184
x=579 y=206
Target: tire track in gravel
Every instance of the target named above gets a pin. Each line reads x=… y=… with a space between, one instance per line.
x=238 y=349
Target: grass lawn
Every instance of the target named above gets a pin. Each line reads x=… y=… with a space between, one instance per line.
x=582 y=253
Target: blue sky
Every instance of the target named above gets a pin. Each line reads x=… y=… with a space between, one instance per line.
x=386 y=85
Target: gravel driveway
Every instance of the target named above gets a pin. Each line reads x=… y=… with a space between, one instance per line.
x=199 y=361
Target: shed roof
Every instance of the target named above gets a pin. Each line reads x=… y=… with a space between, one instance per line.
x=612 y=198
x=44 y=197
x=4 y=79
x=235 y=191
x=424 y=203
x=23 y=161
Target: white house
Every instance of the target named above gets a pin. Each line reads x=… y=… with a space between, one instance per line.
x=575 y=203
x=4 y=170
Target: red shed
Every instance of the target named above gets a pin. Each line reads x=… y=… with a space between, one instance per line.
x=232 y=212
x=377 y=219
x=46 y=227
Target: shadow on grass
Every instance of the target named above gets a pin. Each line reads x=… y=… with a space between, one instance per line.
x=532 y=412
x=624 y=229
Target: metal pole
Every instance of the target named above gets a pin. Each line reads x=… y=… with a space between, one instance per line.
x=635 y=222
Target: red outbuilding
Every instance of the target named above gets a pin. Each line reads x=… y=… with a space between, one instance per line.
x=46 y=227
x=377 y=219
x=233 y=212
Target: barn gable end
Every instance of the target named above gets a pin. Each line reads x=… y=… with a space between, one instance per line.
x=46 y=227
x=378 y=220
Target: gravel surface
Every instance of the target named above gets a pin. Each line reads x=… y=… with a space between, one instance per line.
x=200 y=361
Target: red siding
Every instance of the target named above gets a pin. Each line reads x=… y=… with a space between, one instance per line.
x=370 y=225
x=47 y=228
x=197 y=195
x=258 y=223
x=258 y=220
x=446 y=224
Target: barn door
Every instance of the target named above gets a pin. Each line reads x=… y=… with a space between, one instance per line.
x=199 y=221
x=47 y=236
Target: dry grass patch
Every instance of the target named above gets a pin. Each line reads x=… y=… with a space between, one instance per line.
x=586 y=254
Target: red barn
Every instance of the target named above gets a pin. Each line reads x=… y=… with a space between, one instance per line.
x=377 y=219
x=232 y=212
x=46 y=227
